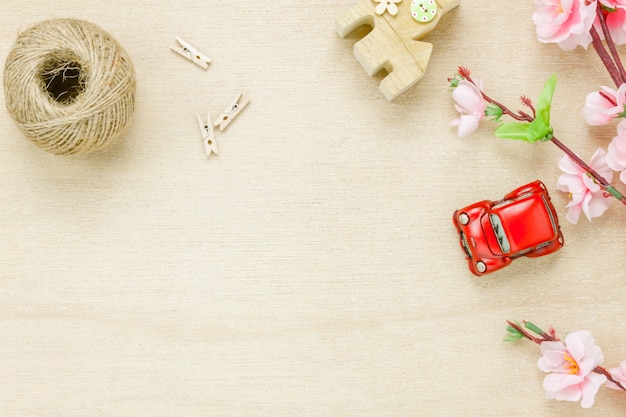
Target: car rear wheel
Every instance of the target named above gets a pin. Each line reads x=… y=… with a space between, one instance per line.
x=464 y=219
x=481 y=267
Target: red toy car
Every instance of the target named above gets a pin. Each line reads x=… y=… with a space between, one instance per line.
x=523 y=223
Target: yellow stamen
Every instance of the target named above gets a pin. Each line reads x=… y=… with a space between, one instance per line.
x=572 y=366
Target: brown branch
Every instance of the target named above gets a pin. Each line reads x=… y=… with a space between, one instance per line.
x=611 y=44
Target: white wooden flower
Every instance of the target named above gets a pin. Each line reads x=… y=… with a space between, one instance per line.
x=387 y=6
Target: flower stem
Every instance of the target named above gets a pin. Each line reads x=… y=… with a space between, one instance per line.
x=607 y=374
x=605 y=58
x=611 y=44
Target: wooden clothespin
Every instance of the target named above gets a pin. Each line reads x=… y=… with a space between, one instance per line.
x=231 y=112
x=208 y=135
x=191 y=53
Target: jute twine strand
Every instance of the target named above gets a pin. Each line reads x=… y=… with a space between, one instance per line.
x=69 y=86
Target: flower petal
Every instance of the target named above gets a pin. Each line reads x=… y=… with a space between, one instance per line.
x=469 y=99
x=568 y=166
x=556 y=382
x=573 y=214
x=593 y=117
x=615 y=23
x=618 y=374
x=578 y=199
x=571 y=184
x=590 y=184
x=590 y=388
x=467 y=124
x=572 y=393
x=593 y=357
x=614 y=158
x=552 y=361
x=620 y=95
x=616 y=152
x=575 y=345
x=598 y=162
x=595 y=205
x=601 y=106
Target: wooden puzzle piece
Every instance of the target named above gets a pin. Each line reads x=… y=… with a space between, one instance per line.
x=393 y=42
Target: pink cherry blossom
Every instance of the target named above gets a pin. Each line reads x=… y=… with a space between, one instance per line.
x=615 y=20
x=616 y=155
x=571 y=366
x=565 y=22
x=618 y=374
x=604 y=105
x=469 y=101
x=587 y=196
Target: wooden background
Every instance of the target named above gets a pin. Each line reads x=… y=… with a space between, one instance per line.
x=312 y=269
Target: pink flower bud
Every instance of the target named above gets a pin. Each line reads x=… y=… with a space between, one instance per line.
x=604 y=105
x=468 y=100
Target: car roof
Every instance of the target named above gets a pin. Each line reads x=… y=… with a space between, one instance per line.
x=526 y=221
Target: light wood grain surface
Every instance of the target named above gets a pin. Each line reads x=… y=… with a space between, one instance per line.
x=312 y=268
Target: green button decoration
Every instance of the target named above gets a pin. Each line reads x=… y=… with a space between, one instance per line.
x=423 y=10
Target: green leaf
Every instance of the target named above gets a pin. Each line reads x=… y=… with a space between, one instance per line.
x=513 y=130
x=545 y=99
x=514 y=334
x=540 y=128
x=512 y=329
x=513 y=337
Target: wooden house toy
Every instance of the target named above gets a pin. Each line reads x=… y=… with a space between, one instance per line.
x=393 y=43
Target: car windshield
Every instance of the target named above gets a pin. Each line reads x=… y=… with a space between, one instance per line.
x=498 y=230
x=552 y=222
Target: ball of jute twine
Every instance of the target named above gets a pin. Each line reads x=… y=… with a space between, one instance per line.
x=69 y=86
